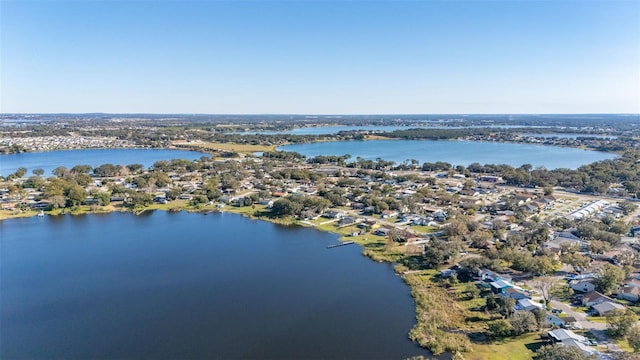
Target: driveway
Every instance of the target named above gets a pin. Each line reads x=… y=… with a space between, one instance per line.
x=598 y=329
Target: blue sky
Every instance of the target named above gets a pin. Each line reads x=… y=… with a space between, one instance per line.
x=343 y=57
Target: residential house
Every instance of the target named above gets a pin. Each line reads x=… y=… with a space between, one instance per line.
x=516 y=293
x=584 y=285
x=564 y=238
x=347 y=220
x=369 y=210
x=561 y=335
x=528 y=305
x=587 y=350
x=499 y=286
x=491 y=178
x=334 y=214
x=389 y=213
x=555 y=320
x=593 y=298
x=606 y=307
x=524 y=197
x=448 y=273
x=266 y=202
x=630 y=293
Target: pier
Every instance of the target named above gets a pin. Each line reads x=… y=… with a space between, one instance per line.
x=341 y=244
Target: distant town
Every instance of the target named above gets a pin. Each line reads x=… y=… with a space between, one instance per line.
x=528 y=257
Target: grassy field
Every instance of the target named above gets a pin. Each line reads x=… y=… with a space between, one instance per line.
x=239 y=148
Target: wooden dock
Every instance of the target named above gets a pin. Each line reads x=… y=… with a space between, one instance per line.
x=341 y=244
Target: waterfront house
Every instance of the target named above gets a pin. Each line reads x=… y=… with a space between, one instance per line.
x=448 y=273
x=347 y=220
x=334 y=214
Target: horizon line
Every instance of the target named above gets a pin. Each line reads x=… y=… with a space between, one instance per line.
x=307 y=114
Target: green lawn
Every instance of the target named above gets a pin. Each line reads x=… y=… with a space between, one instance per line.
x=424 y=229
x=520 y=348
x=624 y=344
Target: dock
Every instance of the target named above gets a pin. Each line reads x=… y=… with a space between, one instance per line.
x=341 y=244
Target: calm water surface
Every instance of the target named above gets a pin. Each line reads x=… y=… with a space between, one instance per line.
x=329 y=130
x=455 y=152
x=178 y=285
x=95 y=157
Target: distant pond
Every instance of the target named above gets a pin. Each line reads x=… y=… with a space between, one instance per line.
x=50 y=160
x=455 y=152
x=166 y=285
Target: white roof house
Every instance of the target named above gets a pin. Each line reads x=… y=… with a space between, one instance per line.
x=528 y=304
x=562 y=335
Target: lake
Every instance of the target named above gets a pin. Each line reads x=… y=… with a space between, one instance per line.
x=455 y=152
x=50 y=160
x=180 y=285
x=334 y=129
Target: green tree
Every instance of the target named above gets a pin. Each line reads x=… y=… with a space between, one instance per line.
x=621 y=322
x=627 y=207
x=38 y=172
x=76 y=194
x=103 y=198
x=541 y=318
x=21 y=172
x=608 y=278
x=83 y=179
x=561 y=291
x=633 y=338
x=81 y=169
x=58 y=201
x=286 y=207
x=135 y=168
x=500 y=329
x=576 y=260
x=34 y=182
x=598 y=247
x=60 y=171
x=523 y=322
